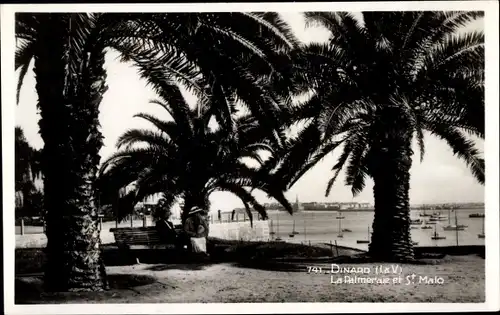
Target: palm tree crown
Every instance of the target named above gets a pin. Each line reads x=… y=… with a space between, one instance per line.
x=187 y=159
x=374 y=79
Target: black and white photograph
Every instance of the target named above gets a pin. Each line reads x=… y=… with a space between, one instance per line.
x=208 y=158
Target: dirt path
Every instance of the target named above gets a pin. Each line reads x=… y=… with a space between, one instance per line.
x=228 y=283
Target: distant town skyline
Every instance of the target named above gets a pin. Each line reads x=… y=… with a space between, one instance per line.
x=440 y=178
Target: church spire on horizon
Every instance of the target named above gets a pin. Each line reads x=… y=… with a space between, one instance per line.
x=297 y=206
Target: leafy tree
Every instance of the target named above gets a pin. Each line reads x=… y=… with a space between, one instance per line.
x=27 y=169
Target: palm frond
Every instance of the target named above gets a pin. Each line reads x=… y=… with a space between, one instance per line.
x=24 y=55
x=134 y=136
x=346 y=152
x=277 y=29
x=462 y=148
x=421 y=142
x=170 y=128
x=357 y=167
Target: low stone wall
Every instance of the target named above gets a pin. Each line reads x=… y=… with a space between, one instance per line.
x=241 y=231
x=229 y=231
x=39 y=240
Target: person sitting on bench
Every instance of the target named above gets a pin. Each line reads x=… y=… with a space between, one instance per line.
x=164 y=227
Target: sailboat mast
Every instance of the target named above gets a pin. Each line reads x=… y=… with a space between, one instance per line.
x=456 y=226
x=278 y=229
x=305 y=232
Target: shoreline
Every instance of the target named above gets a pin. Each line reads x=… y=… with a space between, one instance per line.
x=373 y=209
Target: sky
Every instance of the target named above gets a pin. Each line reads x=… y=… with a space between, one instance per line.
x=440 y=178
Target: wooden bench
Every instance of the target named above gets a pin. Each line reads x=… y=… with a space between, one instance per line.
x=143 y=238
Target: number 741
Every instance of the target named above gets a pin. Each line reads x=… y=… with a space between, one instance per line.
x=311 y=269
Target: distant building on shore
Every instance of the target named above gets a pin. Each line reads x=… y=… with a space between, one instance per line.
x=297 y=207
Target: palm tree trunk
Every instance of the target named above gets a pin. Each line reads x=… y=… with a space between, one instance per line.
x=391 y=239
x=68 y=104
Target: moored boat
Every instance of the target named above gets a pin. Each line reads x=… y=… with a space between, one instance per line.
x=365 y=241
x=436 y=236
x=476 y=215
x=481 y=235
x=454 y=228
x=294 y=232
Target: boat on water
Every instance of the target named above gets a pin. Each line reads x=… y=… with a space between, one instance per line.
x=416 y=221
x=424 y=214
x=279 y=239
x=293 y=231
x=476 y=215
x=436 y=236
x=367 y=239
x=339 y=216
x=346 y=230
x=430 y=222
x=437 y=219
x=454 y=228
x=413 y=227
x=481 y=235
x=414 y=243
x=426 y=227
x=340 y=235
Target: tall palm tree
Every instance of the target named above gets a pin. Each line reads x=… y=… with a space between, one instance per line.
x=187 y=159
x=68 y=52
x=377 y=84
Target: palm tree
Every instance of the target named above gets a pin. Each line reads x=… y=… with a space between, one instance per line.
x=68 y=52
x=187 y=159
x=377 y=84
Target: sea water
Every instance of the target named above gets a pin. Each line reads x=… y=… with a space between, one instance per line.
x=323 y=227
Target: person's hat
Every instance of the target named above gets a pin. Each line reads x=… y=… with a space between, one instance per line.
x=195 y=210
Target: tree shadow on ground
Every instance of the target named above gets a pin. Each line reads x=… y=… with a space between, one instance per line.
x=116 y=281
x=299 y=265
x=30 y=290
x=126 y=281
x=179 y=266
